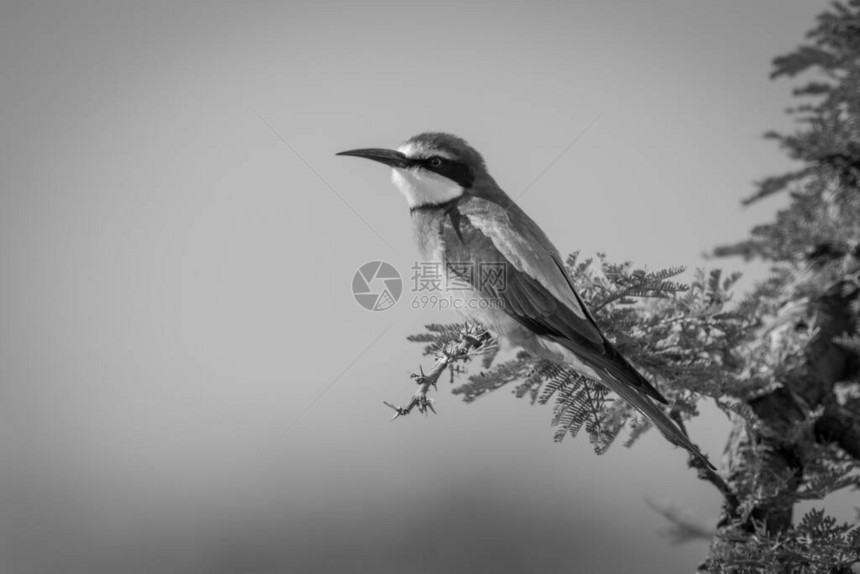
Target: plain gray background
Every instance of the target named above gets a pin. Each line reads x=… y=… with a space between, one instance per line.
x=175 y=286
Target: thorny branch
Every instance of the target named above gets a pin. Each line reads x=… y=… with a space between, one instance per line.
x=474 y=339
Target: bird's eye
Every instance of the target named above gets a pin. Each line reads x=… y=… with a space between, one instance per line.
x=436 y=162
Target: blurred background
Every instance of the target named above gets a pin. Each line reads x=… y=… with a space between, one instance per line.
x=186 y=382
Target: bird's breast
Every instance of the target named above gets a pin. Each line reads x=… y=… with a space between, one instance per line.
x=469 y=302
x=426 y=226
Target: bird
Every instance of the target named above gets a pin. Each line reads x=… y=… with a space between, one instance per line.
x=462 y=218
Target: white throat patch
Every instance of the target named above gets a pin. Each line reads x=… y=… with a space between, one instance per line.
x=422 y=187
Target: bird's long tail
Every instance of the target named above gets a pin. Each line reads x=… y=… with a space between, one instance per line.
x=664 y=424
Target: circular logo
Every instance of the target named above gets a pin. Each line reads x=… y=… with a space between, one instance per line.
x=377 y=286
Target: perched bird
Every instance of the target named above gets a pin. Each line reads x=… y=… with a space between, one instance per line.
x=463 y=219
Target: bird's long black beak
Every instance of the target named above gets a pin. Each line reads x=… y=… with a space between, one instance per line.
x=387 y=156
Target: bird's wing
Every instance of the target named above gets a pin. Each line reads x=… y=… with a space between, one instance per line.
x=537 y=291
x=526 y=247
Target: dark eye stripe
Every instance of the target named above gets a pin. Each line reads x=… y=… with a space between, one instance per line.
x=451 y=169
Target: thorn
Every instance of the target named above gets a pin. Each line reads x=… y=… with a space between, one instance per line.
x=397 y=410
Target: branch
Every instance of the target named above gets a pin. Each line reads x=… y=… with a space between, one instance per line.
x=474 y=339
x=683 y=527
x=651 y=282
x=774 y=448
x=838 y=425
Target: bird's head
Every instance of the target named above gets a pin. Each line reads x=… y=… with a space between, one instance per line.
x=431 y=168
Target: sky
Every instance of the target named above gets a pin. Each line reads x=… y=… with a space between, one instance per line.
x=186 y=381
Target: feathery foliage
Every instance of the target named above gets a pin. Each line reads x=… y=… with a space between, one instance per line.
x=678 y=333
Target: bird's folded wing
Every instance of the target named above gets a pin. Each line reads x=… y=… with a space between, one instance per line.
x=535 y=290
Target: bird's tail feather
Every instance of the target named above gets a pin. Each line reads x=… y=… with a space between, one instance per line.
x=664 y=424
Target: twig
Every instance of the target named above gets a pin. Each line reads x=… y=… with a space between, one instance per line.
x=683 y=527
x=625 y=292
x=473 y=339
